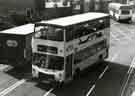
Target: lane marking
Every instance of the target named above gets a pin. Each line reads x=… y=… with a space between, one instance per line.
x=133 y=93
x=47 y=93
x=11 y=88
x=115 y=37
x=126 y=82
x=126 y=35
x=132 y=66
x=112 y=59
x=115 y=56
x=91 y=89
x=113 y=23
x=5 y=68
x=101 y=75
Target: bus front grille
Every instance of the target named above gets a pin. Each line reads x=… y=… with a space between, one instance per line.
x=47 y=77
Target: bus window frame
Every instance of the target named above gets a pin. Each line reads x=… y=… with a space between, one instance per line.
x=75 y=27
x=50 y=25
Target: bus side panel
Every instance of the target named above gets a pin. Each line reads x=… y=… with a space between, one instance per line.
x=12 y=46
x=91 y=60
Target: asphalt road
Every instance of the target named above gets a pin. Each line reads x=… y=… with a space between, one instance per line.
x=107 y=79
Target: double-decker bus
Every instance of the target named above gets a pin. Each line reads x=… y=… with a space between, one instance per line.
x=64 y=47
x=120 y=11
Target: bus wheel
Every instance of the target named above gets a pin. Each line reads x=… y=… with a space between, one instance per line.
x=57 y=84
x=101 y=58
x=77 y=74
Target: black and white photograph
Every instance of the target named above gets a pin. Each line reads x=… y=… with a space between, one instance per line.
x=67 y=47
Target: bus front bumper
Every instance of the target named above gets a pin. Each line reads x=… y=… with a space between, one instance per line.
x=125 y=17
x=47 y=75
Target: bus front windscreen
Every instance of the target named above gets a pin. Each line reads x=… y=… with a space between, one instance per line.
x=49 y=33
x=49 y=61
x=125 y=9
x=125 y=12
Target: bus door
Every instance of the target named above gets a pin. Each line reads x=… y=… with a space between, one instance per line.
x=68 y=67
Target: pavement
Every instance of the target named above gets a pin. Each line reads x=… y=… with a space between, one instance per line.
x=124 y=39
x=4 y=67
x=130 y=86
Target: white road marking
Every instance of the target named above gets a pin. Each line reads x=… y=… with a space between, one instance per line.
x=113 y=58
x=129 y=71
x=101 y=75
x=47 y=93
x=132 y=66
x=133 y=33
x=126 y=36
x=114 y=23
x=11 y=88
x=5 y=67
x=91 y=89
x=115 y=37
x=133 y=93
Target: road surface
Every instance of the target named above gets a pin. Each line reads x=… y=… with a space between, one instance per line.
x=105 y=79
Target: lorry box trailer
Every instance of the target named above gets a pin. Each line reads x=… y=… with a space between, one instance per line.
x=15 y=44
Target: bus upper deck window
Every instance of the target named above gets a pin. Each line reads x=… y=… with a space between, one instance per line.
x=40 y=32
x=55 y=34
x=125 y=12
x=69 y=34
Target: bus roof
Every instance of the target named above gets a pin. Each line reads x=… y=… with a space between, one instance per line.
x=71 y=20
x=117 y=5
x=20 y=30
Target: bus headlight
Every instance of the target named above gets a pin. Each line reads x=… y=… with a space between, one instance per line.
x=59 y=76
x=34 y=73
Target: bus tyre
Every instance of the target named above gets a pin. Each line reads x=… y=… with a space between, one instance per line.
x=101 y=58
x=57 y=84
x=76 y=74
